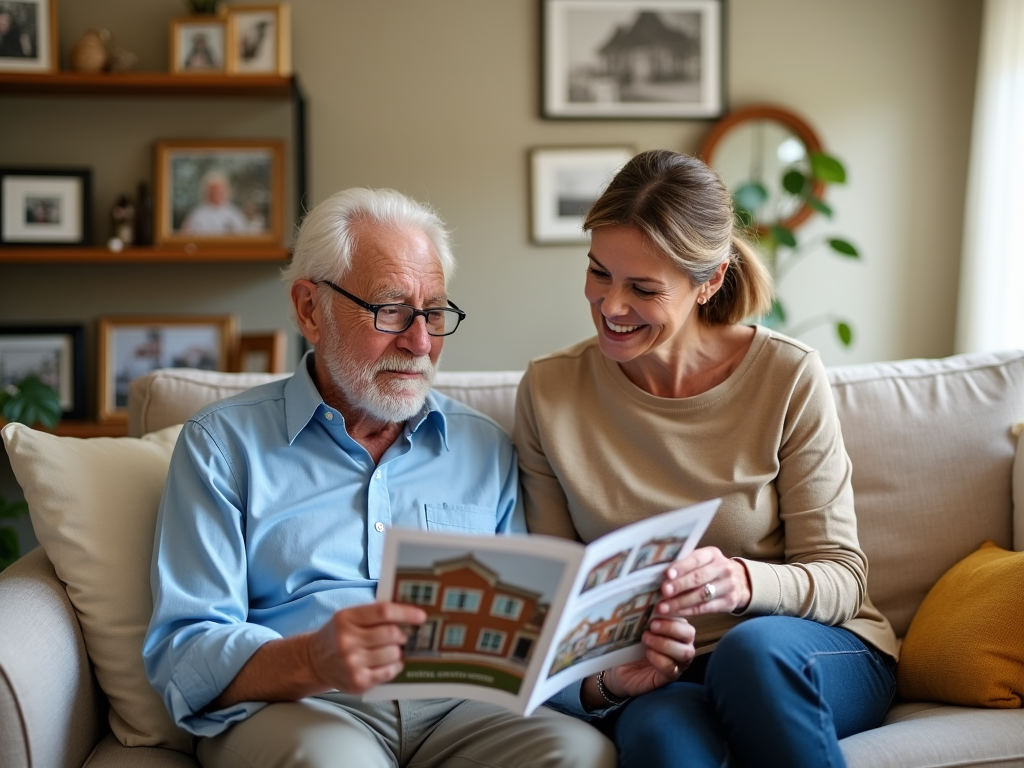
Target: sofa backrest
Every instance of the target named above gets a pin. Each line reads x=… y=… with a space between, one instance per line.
x=931 y=443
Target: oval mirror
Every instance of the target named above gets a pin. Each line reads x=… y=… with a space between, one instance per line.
x=754 y=150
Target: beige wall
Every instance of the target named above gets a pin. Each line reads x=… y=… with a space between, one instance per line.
x=438 y=98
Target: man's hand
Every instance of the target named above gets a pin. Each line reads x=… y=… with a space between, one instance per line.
x=361 y=647
x=355 y=650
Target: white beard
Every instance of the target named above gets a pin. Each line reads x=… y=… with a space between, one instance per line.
x=382 y=397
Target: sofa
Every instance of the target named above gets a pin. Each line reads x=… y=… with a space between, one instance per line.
x=938 y=471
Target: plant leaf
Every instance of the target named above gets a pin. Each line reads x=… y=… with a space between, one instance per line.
x=819 y=205
x=750 y=196
x=827 y=168
x=783 y=236
x=12 y=510
x=9 y=546
x=793 y=181
x=845 y=333
x=843 y=247
x=35 y=402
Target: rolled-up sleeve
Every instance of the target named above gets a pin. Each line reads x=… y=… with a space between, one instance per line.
x=198 y=638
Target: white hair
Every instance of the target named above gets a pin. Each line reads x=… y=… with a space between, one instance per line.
x=325 y=241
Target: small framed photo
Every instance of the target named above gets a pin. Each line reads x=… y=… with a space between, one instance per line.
x=45 y=206
x=632 y=59
x=262 y=352
x=198 y=45
x=132 y=346
x=219 y=192
x=564 y=183
x=259 y=39
x=28 y=36
x=54 y=353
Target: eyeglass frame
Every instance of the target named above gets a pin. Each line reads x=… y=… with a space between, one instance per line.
x=416 y=312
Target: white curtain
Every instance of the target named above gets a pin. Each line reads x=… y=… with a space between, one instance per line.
x=991 y=302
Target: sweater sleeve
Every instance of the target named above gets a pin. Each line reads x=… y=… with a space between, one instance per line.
x=544 y=500
x=824 y=575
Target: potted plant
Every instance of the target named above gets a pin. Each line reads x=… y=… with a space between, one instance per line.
x=29 y=401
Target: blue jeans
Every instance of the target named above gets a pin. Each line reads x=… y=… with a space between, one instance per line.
x=777 y=691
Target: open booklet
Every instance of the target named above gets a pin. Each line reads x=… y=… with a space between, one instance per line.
x=514 y=619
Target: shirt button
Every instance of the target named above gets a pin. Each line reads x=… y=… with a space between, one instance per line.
x=377 y=474
x=379 y=527
x=329 y=416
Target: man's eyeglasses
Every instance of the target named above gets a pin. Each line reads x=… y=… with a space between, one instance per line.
x=395 y=318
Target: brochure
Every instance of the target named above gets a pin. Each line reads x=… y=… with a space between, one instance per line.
x=514 y=619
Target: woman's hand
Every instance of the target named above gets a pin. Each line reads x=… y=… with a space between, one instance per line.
x=669 y=651
x=705 y=581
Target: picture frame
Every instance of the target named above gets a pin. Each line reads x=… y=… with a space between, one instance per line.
x=259 y=39
x=649 y=59
x=130 y=346
x=198 y=45
x=216 y=191
x=262 y=352
x=564 y=183
x=45 y=206
x=28 y=36
x=55 y=353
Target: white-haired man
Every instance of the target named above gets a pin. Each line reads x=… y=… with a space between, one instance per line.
x=268 y=547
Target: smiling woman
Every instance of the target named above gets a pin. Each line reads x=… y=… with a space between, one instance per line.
x=677 y=401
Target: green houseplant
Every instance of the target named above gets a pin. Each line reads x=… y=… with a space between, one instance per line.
x=29 y=401
x=801 y=184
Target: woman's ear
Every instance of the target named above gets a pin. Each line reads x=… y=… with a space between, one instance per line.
x=712 y=285
x=306 y=300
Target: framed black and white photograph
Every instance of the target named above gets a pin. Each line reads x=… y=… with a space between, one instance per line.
x=259 y=39
x=198 y=45
x=132 y=346
x=45 y=206
x=632 y=59
x=217 y=191
x=28 y=36
x=53 y=353
x=564 y=183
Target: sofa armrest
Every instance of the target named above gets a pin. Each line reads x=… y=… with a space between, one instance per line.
x=52 y=712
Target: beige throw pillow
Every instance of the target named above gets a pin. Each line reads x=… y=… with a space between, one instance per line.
x=93 y=504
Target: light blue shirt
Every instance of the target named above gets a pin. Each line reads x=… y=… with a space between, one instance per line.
x=273 y=518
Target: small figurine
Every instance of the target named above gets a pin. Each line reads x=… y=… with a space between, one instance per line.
x=144 y=216
x=123 y=218
x=92 y=51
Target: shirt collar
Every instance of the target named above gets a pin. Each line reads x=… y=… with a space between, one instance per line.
x=302 y=399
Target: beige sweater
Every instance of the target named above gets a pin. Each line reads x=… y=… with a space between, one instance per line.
x=596 y=452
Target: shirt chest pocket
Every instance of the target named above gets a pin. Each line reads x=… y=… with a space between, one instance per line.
x=462 y=518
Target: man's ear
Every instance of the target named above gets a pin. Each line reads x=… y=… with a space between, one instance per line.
x=306 y=299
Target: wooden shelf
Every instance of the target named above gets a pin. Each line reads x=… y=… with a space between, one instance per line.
x=158 y=84
x=89 y=429
x=156 y=254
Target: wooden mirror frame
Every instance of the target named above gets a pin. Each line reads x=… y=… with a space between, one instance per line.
x=797 y=125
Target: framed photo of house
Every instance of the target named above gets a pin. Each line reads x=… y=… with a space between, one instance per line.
x=564 y=183
x=28 y=36
x=54 y=353
x=262 y=352
x=632 y=58
x=45 y=206
x=259 y=39
x=219 y=192
x=198 y=45
x=133 y=345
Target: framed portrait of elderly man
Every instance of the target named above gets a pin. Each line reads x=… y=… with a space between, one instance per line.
x=219 y=192
x=28 y=36
x=632 y=59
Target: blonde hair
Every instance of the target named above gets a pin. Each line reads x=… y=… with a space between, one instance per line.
x=684 y=209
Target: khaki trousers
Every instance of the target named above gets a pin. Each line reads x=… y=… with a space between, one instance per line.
x=340 y=731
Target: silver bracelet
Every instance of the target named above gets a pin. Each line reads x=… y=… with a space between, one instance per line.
x=610 y=698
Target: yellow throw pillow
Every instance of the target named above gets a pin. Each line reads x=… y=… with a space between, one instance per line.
x=966 y=643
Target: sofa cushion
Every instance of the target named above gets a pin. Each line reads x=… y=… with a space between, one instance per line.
x=966 y=642
x=933 y=450
x=93 y=506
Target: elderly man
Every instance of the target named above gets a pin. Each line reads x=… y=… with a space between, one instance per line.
x=268 y=546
